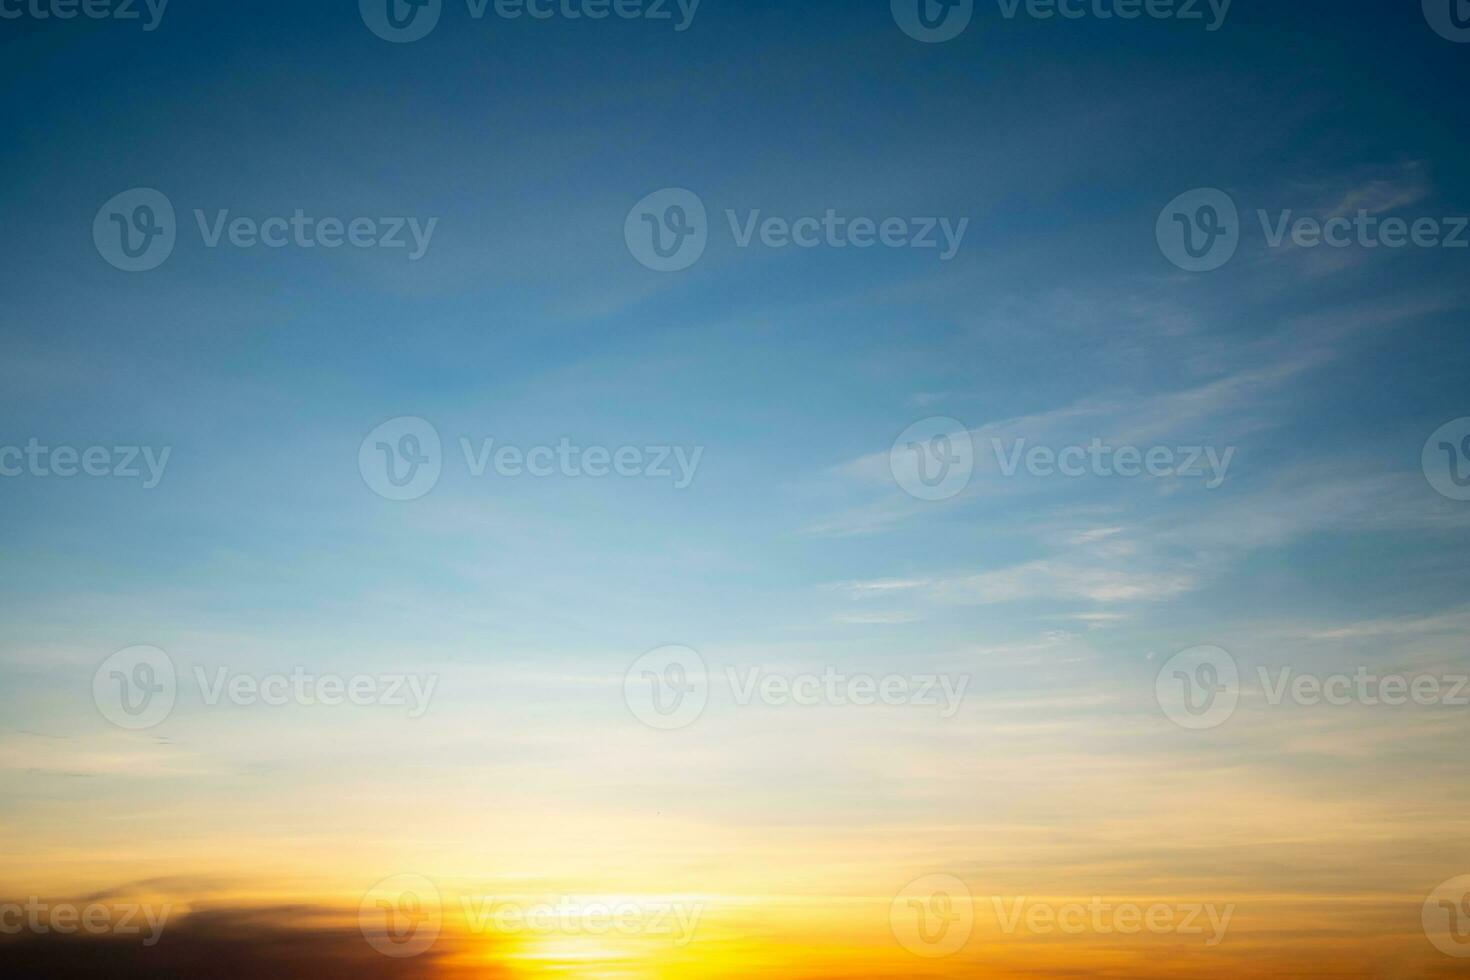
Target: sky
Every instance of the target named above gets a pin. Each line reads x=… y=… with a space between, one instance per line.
x=724 y=587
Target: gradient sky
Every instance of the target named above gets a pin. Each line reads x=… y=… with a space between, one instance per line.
x=1059 y=321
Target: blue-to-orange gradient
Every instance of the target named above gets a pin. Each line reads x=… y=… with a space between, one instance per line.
x=543 y=828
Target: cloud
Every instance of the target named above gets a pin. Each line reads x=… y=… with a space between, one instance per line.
x=1047 y=579
x=1406 y=184
x=878 y=587
x=287 y=942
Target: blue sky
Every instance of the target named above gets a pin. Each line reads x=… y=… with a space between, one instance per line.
x=1059 y=321
x=528 y=320
x=1058 y=140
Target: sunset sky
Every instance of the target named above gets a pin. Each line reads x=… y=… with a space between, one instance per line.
x=761 y=839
